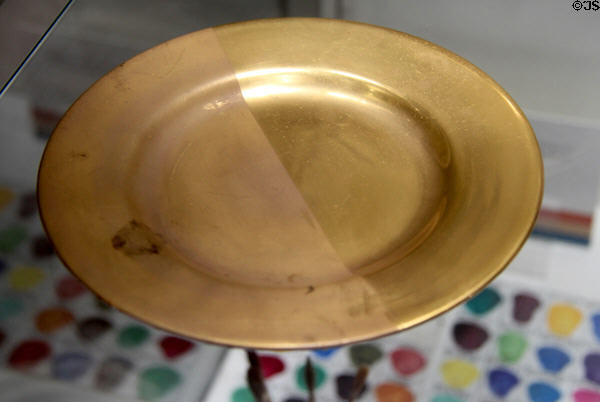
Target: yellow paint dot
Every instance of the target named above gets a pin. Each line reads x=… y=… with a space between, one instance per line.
x=6 y=196
x=25 y=278
x=459 y=373
x=563 y=319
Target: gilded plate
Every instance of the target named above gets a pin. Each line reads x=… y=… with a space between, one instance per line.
x=292 y=183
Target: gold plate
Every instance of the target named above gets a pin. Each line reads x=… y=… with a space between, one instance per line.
x=292 y=183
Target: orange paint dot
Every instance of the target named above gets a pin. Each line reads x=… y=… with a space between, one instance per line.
x=390 y=392
x=52 y=319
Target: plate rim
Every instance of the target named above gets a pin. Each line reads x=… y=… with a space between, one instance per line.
x=492 y=274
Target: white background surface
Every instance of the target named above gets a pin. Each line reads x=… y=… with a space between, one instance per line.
x=544 y=53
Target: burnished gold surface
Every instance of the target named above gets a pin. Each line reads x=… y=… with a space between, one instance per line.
x=291 y=183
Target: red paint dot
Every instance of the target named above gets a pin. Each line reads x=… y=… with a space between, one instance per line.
x=173 y=347
x=407 y=361
x=271 y=365
x=69 y=288
x=28 y=353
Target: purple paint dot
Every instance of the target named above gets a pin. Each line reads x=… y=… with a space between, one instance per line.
x=524 y=307
x=92 y=328
x=71 y=365
x=469 y=336
x=112 y=373
x=592 y=367
x=596 y=325
x=345 y=384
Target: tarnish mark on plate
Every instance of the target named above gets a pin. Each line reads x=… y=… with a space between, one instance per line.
x=81 y=155
x=136 y=238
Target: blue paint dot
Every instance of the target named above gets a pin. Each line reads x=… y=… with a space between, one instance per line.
x=70 y=366
x=325 y=353
x=596 y=325
x=543 y=392
x=501 y=381
x=553 y=359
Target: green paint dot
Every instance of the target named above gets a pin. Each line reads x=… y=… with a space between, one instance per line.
x=242 y=395
x=511 y=346
x=9 y=307
x=11 y=237
x=156 y=382
x=484 y=301
x=364 y=354
x=446 y=398
x=319 y=377
x=132 y=336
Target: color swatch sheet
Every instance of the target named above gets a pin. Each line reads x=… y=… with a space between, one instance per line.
x=53 y=327
x=398 y=370
x=514 y=341
x=571 y=178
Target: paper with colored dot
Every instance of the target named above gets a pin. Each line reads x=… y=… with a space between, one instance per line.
x=399 y=367
x=53 y=327
x=514 y=341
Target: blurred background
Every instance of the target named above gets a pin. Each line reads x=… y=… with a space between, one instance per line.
x=59 y=343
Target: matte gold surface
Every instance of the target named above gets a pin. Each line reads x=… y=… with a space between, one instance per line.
x=291 y=183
